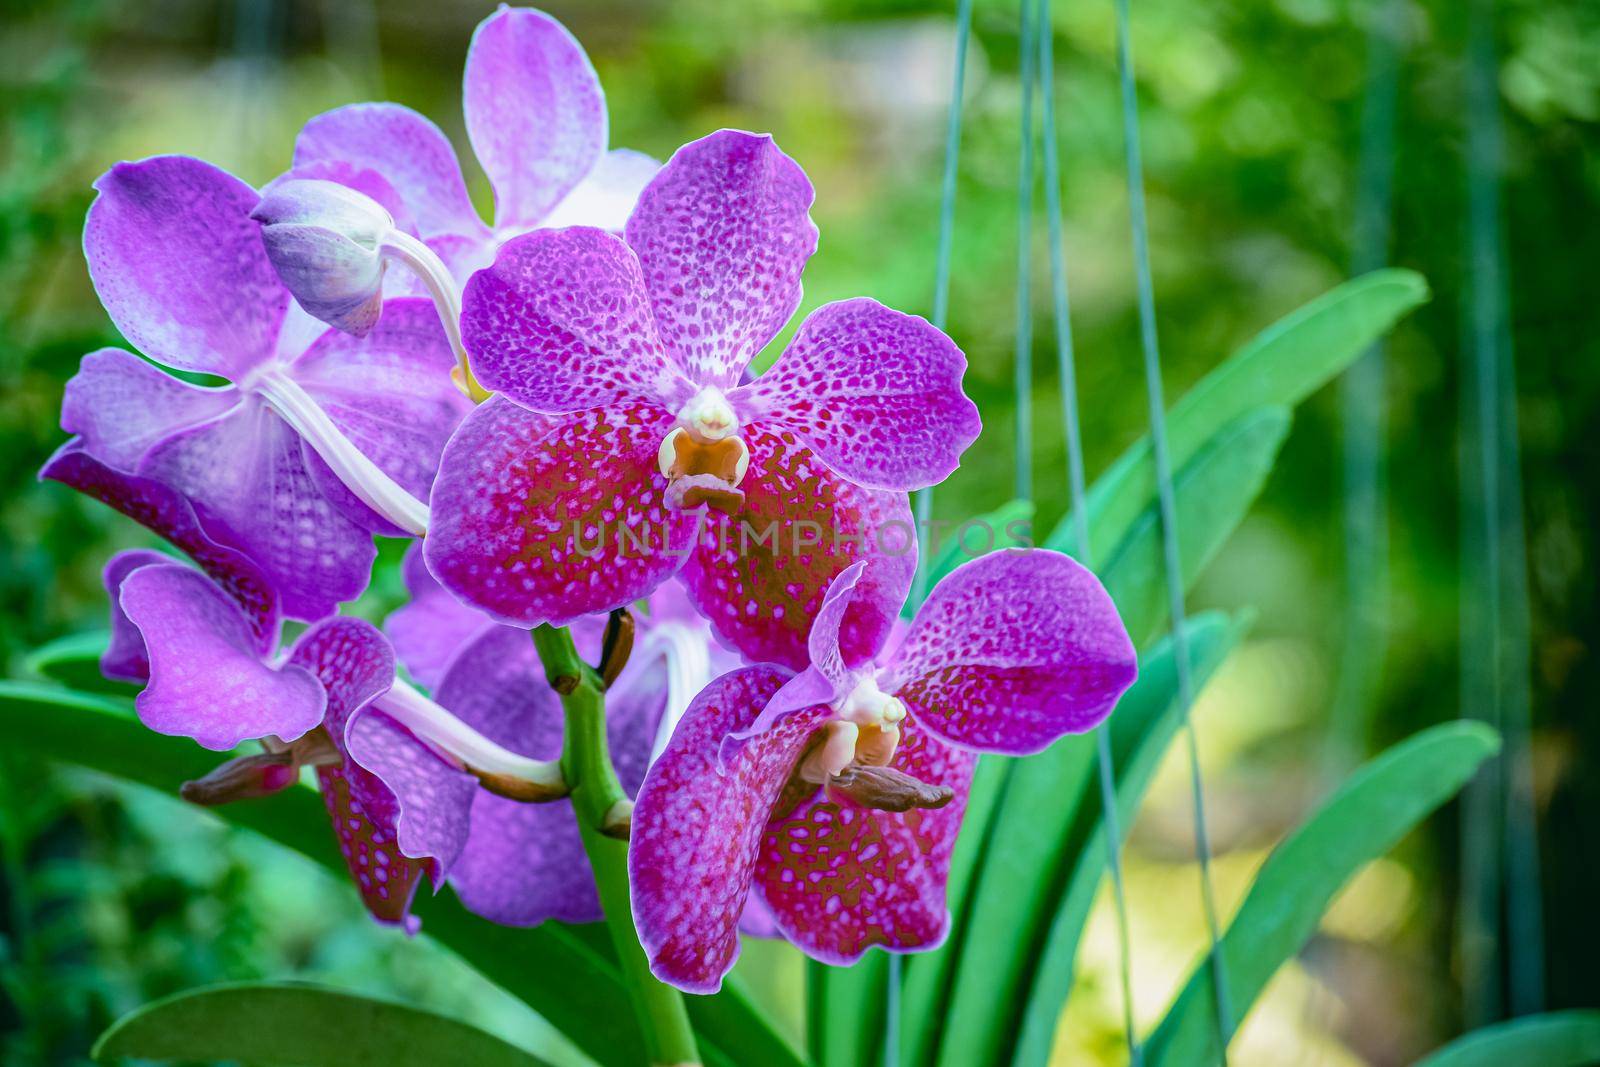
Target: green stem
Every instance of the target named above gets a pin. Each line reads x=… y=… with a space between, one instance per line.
x=586 y=763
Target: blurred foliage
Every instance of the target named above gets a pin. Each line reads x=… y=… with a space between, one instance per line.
x=1251 y=112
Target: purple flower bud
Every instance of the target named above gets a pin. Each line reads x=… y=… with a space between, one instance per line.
x=326 y=242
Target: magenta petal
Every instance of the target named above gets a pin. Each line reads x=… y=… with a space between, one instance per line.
x=607 y=195
x=1012 y=650
x=125 y=658
x=167 y=512
x=180 y=267
x=561 y=323
x=433 y=799
x=355 y=665
x=247 y=476
x=535 y=112
x=723 y=233
x=823 y=642
x=875 y=393
x=841 y=878
x=428 y=631
x=207 y=677
x=827 y=678
x=523 y=863
x=697 y=827
x=760 y=577
x=122 y=405
x=391 y=394
x=541 y=519
x=407 y=150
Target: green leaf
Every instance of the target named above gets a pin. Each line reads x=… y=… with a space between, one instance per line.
x=928 y=975
x=845 y=1010
x=1039 y=851
x=1138 y=744
x=1558 y=1039
x=74 y=661
x=270 y=1023
x=1282 y=366
x=575 y=983
x=1214 y=491
x=1376 y=807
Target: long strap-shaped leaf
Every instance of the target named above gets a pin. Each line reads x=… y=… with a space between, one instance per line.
x=270 y=1023
x=1557 y=1039
x=1363 y=412
x=1214 y=492
x=1376 y=807
x=1212 y=639
x=1500 y=838
x=565 y=973
x=1284 y=364
x=1045 y=843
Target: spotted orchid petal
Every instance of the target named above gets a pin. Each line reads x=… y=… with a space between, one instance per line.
x=607 y=194
x=391 y=396
x=875 y=393
x=535 y=112
x=125 y=658
x=410 y=153
x=251 y=480
x=122 y=405
x=760 y=577
x=355 y=665
x=698 y=826
x=1012 y=650
x=840 y=878
x=723 y=233
x=544 y=519
x=168 y=513
x=433 y=625
x=208 y=679
x=432 y=797
x=164 y=238
x=561 y=322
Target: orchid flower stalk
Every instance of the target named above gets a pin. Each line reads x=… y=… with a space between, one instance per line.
x=596 y=797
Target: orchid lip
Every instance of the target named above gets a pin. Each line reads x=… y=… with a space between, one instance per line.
x=865 y=732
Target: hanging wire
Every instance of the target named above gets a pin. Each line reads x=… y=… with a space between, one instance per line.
x=1364 y=412
x=1169 y=510
x=924 y=501
x=1499 y=830
x=1066 y=364
x=947 y=225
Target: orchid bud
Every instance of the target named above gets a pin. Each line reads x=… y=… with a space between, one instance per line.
x=326 y=242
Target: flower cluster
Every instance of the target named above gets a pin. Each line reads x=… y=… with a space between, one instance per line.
x=559 y=407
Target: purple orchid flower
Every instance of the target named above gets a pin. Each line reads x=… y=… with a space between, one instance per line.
x=836 y=793
x=624 y=409
x=212 y=674
x=318 y=441
x=166 y=512
x=536 y=117
x=513 y=862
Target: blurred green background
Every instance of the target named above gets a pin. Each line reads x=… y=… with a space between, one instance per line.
x=1251 y=114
